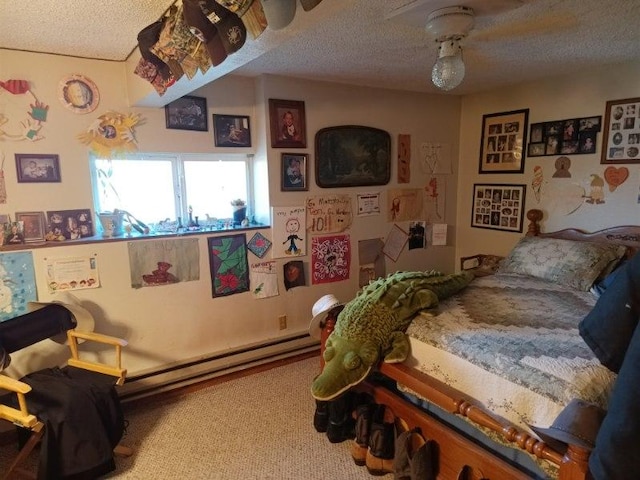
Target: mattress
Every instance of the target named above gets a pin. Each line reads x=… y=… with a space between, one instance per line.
x=511 y=344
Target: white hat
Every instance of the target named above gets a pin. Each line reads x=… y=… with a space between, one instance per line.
x=319 y=311
x=84 y=318
x=279 y=13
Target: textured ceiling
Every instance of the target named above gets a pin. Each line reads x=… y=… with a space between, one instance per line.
x=379 y=43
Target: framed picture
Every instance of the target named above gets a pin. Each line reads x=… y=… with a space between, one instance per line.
x=504 y=137
x=295 y=172
x=498 y=206
x=231 y=131
x=13 y=233
x=187 y=113
x=288 y=124
x=622 y=131
x=78 y=94
x=352 y=156
x=573 y=136
x=68 y=225
x=35 y=168
x=34 y=225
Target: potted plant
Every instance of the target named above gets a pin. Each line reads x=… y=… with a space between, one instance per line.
x=239 y=210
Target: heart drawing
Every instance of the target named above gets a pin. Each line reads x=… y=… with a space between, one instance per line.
x=615 y=176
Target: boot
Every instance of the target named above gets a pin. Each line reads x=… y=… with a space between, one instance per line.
x=414 y=457
x=341 y=423
x=379 y=458
x=360 y=445
x=321 y=416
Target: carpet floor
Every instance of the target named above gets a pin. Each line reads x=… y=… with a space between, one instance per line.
x=258 y=426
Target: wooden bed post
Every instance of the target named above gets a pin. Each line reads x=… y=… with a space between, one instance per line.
x=534 y=216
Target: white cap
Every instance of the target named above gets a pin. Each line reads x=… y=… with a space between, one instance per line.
x=319 y=311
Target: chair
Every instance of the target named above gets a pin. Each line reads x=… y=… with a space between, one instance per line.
x=23 y=404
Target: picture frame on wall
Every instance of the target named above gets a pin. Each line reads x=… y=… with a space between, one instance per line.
x=498 y=206
x=34 y=226
x=38 y=168
x=295 y=172
x=504 y=137
x=231 y=130
x=187 y=113
x=287 y=123
x=573 y=136
x=621 y=140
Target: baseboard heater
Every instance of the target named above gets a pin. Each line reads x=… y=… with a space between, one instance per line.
x=205 y=368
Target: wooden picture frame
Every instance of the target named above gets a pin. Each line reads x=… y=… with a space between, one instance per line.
x=504 y=137
x=288 y=123
x=294 y=172
x=187 y=113
x=498 y=206
x=34 y=226
x=231 y=130
x=38 y=168
x=352 y=156
x=621 y=140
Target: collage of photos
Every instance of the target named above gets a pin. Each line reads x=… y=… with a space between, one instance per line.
x=622 y=132
x=504 y=136
x=498 y=207
x=69 y=225
x=575 y=136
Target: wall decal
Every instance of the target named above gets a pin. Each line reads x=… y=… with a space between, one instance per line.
x=111 y=134
x=27 y=128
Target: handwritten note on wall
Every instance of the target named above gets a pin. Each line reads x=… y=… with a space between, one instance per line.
x=328 y=214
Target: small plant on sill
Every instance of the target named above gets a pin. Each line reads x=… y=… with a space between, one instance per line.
x=238 y=202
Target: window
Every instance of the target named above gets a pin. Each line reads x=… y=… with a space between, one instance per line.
x=156 y=187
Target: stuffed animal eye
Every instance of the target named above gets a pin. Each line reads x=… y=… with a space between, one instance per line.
x=328 y=354
x=351 y=361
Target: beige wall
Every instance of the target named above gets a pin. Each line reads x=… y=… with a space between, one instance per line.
x=582 y=94
x=174 y=323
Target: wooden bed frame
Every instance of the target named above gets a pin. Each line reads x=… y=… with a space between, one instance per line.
x=458 y=456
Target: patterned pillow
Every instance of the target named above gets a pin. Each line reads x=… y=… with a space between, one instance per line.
x=567 y=262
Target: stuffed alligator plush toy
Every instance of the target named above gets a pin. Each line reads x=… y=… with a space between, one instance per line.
x=372 y=326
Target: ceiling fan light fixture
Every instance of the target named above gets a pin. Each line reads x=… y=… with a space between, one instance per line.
x=448 y=71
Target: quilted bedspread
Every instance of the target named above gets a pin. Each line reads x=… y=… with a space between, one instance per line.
x=511 y=343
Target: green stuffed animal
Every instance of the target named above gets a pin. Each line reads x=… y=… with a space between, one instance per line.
x=372 y=326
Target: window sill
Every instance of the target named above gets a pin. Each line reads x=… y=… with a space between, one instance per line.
x=133 y=236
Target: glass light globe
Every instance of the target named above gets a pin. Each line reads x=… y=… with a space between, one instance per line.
x=448 y=72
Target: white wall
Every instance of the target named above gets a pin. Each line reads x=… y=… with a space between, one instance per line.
x=582 y=94
x=173 y=323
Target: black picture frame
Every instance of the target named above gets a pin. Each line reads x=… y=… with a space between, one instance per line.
x=498 y=206
x=187 y=113
x=352 y=156
x=571 y=136
x=504 y=137
x=294 y=172
x=231 y=130
x=621 y=139
x=287 y=135
x=38 y=168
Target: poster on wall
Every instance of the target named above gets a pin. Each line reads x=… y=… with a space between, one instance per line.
x=17 y=284
x=163 y=262
x=328 y=214
x=288 y=231
x=72 y=273
x=229 y=264
x=330 y=259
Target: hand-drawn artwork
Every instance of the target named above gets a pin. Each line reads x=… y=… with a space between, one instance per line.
x=259 y=244
x=436 y=158
x=404 y=204
x=288 y=227
x=371 y=259
x=328 y=214
x=112 y=133
x=229 y=265
x=434 y=199
x=163 y=262
x=416 y=235
x=330 y=259
x=404 y=158
x=596 y=191
x=68 y=225
x=12 y=233
x=17 y=284
x=615 y=176
x=563 y=164
x=294 y=274
x=27 y=128
x=264 y=279
x=368 y=204
x=537 y=181
x=396 y=241
x=75 y=273
x=562 y=198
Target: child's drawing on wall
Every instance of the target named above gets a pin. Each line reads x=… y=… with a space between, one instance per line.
x=288 y=232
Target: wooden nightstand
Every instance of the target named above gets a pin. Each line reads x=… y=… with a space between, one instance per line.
x=481 y=264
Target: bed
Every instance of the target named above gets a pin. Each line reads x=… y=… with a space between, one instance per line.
x=490 y=362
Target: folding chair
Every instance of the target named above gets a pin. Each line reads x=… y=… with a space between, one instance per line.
x=50 y=321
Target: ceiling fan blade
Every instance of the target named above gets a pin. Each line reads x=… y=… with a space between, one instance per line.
x=515 y=28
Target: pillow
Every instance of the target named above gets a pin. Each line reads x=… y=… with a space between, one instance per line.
x=610 y=324
x=567 y=262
